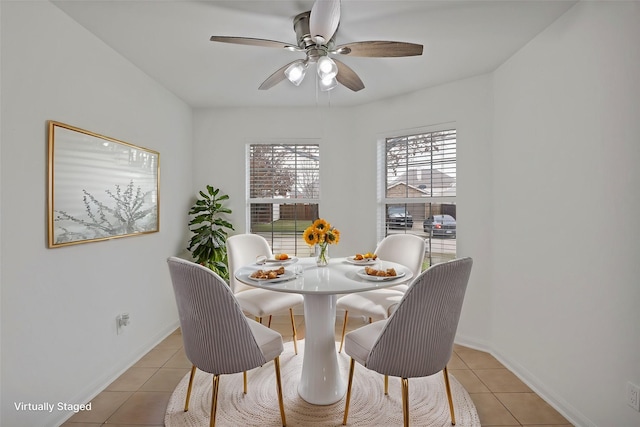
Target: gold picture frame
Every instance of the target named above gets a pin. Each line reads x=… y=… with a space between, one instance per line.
x=99 y=188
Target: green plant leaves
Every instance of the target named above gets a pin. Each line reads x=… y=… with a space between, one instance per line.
x=208 y=243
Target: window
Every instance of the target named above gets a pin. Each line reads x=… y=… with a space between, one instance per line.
x=284 y=193
x=420 y=190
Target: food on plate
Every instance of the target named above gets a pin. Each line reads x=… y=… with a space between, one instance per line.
x=267 y=274
x=389 y=272
x=367 y=256
x=282 y=257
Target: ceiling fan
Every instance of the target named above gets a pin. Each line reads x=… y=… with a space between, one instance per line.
x=315 y=31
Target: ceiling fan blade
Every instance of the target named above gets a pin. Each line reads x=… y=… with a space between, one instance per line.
x=276 y=77
x=347 y=77
x=254 y=42
x=324 y=20
x=379 y=49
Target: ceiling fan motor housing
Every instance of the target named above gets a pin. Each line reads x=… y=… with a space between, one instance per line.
x=303 y=34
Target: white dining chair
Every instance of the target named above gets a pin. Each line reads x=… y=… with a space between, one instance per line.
x=417 y=339
x=405 y=249
x=242 y=249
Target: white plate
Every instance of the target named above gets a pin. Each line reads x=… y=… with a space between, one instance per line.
x=289 y=260
x=363 y=275
x=366 y=261
x=288 y=275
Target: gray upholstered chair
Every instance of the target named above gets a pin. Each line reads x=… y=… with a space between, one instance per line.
x=218 y=337
x=417 y=339
x=405 y=249
x=242 y=249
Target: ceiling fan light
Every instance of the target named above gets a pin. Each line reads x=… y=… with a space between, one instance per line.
x=295 y=72
x=327 y=68
x=328 y=83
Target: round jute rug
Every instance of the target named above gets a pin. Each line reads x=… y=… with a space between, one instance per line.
x=369 y=406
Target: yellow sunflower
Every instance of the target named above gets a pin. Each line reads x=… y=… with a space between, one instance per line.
x=310 y=236
x=320 y=232
x=321 y=225
x=333 y=236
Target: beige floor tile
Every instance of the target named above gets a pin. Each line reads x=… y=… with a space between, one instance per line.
x=457 y=347
x=529 y=408
x=102 y=407
x=501 y=381
x=156 y=358
x=284 y=319
x=475 y=359
x=469 y=380
x=143 y=407
x=491 y=411
x=178 y=360
x=456 y=363
x=548 y=425
x=301 y=332
x=72 y=424
x=133 y=425
x=165 y=379
x=172 y=341
x=132 y=379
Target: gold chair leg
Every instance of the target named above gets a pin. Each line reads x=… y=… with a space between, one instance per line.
x=244 y=380
x=214 y=400
x=276 y=364
x=405 y=401
x=293 y=328
x=193 y=373
x=258 y=319
x=348 y=399
x=448 y=387
x=269 y=322
x=344 y=329
x=386 y=385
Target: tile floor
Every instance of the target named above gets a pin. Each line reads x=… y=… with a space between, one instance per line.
x=140 y=395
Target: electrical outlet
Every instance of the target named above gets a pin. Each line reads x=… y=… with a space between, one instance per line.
x=122 y=320
x=633 y=396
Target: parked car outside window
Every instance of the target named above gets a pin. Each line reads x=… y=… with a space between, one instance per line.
x=398 y=217
x=440 y=225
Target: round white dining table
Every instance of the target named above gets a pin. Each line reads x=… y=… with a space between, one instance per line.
x=320 y=379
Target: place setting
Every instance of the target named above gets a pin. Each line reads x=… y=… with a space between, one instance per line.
x=271 y=269
x=374 y=269
x=276 y=259
x=380 y=274
x=272 y=275
x=362 y=259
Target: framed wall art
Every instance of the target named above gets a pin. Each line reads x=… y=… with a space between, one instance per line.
x=99 y=187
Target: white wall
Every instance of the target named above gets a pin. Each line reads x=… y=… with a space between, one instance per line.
x=59 y=341
x=566 y=204
x=348 y=140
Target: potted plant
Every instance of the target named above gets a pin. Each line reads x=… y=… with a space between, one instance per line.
x=208 y=245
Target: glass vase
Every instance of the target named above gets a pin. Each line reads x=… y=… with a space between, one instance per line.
x=322 y=254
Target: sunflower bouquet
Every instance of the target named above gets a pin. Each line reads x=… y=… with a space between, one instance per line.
x=321 y=234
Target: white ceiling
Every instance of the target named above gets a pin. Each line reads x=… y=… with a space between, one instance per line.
x=169 y=41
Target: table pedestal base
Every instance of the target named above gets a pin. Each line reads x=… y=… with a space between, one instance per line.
x=320 y=382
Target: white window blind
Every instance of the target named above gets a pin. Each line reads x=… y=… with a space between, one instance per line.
x=284 y=193
x=420 y=190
